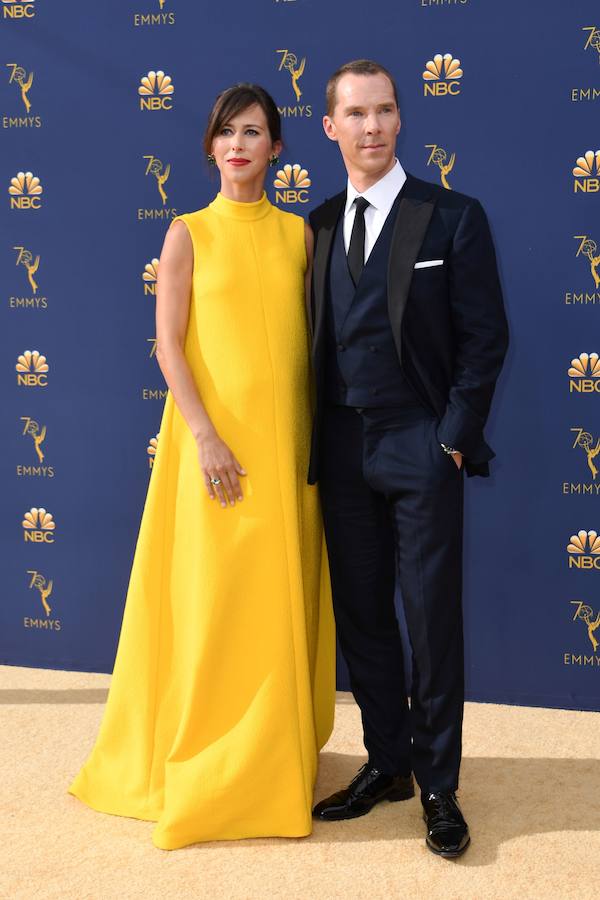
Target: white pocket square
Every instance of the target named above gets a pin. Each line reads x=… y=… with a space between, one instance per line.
x=429 y=262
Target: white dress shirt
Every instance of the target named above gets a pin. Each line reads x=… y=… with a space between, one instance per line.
x=381 y=196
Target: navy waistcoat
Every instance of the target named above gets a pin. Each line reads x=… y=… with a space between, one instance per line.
x=362 y=366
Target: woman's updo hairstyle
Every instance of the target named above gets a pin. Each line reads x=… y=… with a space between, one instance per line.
x=235 y=100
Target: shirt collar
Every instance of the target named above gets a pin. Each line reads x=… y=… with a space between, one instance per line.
x=382 y=194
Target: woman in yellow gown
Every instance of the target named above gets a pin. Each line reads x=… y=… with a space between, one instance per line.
x=223 y=686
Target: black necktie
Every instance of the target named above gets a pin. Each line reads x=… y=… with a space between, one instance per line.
x=356 y=250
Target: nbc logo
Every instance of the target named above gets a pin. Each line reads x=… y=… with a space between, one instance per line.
x=442 y=76
x=32 y=369
x=291 y=184
x=586 y=172
x=584 y=550
x=156 y=91
x=38 y=526
x=151 y=450
x=149 y=276
x=12 y=9
x=584 y=374
x=25 y=190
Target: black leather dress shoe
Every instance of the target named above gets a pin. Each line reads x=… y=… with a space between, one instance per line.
x=447 y=831
x=366 y=789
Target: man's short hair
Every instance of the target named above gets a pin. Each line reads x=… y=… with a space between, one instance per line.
x=356 y=67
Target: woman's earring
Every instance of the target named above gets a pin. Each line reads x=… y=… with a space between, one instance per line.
x=274 y=160
x=211 y=160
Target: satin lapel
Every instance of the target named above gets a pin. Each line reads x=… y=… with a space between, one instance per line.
x=324 y=240
x=409 y=232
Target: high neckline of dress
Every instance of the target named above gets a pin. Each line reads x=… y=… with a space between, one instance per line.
x=238 y=209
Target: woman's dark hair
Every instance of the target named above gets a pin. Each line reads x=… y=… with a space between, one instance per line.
x=235 y=100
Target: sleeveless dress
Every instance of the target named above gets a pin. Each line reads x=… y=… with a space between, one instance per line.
x=223 y=687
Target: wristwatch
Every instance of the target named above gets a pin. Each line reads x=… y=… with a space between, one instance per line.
x=448 y=450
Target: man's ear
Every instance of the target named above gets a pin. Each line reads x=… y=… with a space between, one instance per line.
x=329 y=128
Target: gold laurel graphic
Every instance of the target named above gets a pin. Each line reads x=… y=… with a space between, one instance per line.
x=443 y=68
x=579 y=366
x=292 y=176
x=25 y=183
x=156 y=83
x=38 y=518
x=31 y=361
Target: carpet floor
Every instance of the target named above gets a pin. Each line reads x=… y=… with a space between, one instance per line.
x=530 y=790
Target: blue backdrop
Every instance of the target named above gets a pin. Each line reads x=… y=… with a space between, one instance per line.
x=84 y=159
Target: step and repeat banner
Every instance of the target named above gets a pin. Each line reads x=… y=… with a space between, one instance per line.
x=102 y=112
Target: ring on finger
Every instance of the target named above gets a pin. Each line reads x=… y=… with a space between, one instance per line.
x=216 y=481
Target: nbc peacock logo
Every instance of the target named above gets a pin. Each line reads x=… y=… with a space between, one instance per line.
x=442 y=76
x=584 y=551
x=587 y=172
x=32 y=369
x=584 y=374
x=25 y=191
x=291 y=184
x=151 y=450
x=156 y=91
x=149 y=276
x=38 y=526
x=13 y=9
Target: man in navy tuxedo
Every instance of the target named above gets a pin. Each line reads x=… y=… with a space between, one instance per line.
x=409 y=336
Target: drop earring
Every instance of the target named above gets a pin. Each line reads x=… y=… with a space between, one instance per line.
x=274 y=160
x=211 y=159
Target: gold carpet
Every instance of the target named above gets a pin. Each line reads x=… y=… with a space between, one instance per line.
x=530 y=790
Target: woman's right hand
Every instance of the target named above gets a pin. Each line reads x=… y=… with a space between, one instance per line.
x=217 y=461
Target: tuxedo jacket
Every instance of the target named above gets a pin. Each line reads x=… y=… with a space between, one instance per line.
x=447 y=316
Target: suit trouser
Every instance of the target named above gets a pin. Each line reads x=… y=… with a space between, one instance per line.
x=392 y=505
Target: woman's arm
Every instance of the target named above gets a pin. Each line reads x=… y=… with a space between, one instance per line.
x=173 y=292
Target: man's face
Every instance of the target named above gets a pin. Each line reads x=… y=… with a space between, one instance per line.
x=365 y=123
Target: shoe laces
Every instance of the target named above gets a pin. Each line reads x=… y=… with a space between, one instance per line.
x=445 y=811
x=359 y=775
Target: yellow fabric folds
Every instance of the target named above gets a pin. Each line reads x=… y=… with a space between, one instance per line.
x=223 y=687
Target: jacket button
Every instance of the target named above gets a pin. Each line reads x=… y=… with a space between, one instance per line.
x=372 y=348
x=374 y=390
x=340 y=347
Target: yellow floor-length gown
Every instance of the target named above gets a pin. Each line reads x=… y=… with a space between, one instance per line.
x=223 y=686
